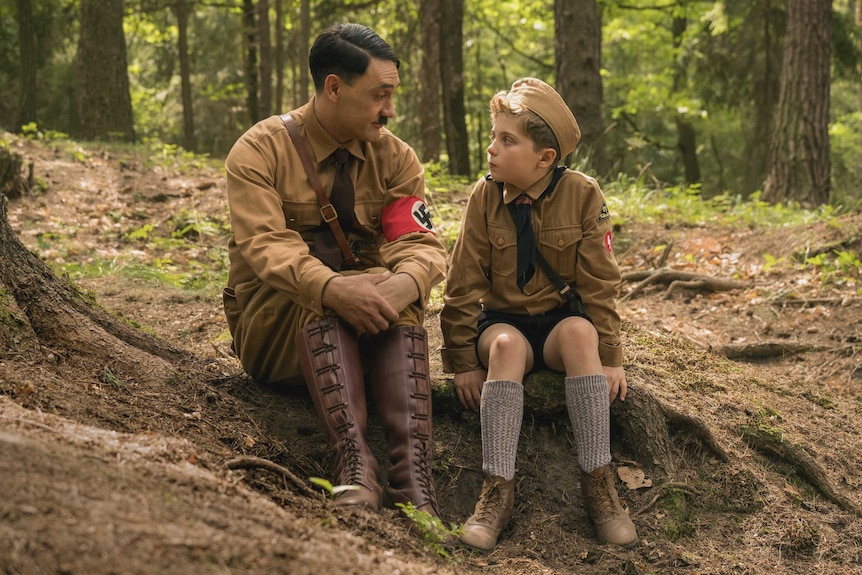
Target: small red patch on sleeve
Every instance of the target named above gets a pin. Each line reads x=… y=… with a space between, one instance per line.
x=405 y=215
x=609 y=242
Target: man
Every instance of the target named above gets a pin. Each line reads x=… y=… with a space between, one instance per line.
x=298 y=307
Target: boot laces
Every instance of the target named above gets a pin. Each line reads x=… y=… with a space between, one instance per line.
x=352 y=466
x=490 y=504
x=602 y=496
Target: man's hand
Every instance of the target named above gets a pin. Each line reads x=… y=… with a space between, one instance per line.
x=399 y=290
x=468 y=386
x=357 y=301
x=616 y=382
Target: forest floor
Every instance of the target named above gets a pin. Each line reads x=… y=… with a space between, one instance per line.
x=756 y=364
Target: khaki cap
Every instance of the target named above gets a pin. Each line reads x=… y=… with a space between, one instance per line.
x=543 y=100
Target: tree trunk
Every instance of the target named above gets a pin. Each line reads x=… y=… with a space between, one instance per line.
x=578 y=62
x=452 y=79
x=265 y=45
x=686 y=136
x=278 y=56
x=765 y=17
x=429 y=113
x=799 y=162
x=251 y=80
x=304 y=44
x=858 y=20
x=105 y=105
x=182 y=14
x=29 y=63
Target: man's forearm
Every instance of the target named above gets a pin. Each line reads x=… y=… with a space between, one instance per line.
x=400 y=290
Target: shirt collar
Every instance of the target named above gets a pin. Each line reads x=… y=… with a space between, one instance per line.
x=321 y=142
x=510 y=192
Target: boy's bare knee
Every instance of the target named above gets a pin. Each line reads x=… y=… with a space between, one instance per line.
x=508 y=345
x=578 y=330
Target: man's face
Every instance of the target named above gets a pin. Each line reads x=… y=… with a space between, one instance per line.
x=366 y=105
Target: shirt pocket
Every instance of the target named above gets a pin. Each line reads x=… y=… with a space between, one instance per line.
x=368 y=212
x=560 y=247
x=504 y=250
x=301 y=216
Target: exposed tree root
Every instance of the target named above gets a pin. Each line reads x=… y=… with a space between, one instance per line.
x=76 y=329
x=796 y=456
x=767 y=349
x=257 y=462
x=678 y=280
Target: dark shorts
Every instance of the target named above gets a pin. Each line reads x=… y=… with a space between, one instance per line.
x=535 y=328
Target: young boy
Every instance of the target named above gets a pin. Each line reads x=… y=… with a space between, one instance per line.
x=504 y=316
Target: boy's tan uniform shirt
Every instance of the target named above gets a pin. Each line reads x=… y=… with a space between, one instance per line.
x=573 y=231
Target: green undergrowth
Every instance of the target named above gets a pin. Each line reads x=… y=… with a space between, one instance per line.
x=188 y=249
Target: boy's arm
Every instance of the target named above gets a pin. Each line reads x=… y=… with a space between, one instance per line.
x=598 y=276
x=466 y=284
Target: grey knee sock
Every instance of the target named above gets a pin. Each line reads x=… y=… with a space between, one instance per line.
x=589 y=411
x=501 y=413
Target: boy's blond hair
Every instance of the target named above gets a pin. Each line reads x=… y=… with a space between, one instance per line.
x=533 y=125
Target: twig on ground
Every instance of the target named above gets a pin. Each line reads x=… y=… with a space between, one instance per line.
x=257 y=462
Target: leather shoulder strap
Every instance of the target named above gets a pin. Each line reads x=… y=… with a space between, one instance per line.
x=327 y=210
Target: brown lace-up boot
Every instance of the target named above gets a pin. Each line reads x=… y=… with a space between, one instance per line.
x=329 y=354
x=402 y=391
x=491 y=514
x=603 y=508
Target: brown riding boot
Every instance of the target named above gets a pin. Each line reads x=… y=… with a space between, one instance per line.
x=402 y=391
x=329 y=354
x=603 y=508
x=491 y=515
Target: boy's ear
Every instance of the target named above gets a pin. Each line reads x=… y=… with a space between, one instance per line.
x=548 y=158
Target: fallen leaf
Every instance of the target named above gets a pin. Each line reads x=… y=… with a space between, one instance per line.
x=633 y=477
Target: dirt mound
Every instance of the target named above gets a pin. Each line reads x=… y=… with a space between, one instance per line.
x=738 y=451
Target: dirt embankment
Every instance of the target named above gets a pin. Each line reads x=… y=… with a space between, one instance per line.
x=750 y=463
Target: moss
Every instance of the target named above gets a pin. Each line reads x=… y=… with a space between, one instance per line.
x=681 y=514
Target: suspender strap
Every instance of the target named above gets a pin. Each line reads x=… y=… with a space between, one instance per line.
x=572 y=297
x=327 y=211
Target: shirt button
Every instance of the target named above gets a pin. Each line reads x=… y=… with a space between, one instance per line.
x=561 y=243
x=500 y=241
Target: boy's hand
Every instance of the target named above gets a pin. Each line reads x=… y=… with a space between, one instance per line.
x=468 y=386
x=616 y=382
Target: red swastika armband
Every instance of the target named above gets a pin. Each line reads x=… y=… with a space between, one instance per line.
x=405 y=215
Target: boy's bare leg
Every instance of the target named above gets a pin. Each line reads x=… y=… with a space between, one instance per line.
x=573 y=345
x=506 y=353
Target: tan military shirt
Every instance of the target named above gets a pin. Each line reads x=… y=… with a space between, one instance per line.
x=573 y=231
x=274 y=209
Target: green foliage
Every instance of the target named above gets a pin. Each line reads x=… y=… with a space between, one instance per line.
x=719 y=73
x=332 y=490
x=31 y=132
x=433 y=531
x=836 y=267
x=631 y=199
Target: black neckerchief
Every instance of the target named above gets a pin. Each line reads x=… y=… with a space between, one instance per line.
x=523 y=226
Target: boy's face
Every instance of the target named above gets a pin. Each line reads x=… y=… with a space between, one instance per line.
x=512 y=155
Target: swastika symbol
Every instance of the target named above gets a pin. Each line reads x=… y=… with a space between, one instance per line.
x=423 y=216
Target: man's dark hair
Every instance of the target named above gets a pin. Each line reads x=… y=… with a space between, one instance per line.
x=345 y=50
